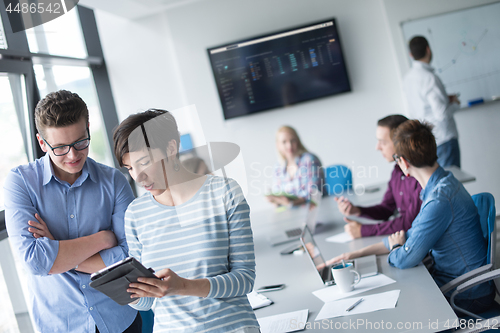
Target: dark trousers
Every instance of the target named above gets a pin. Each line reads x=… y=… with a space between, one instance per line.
x=135 y=327
x=477 y=305
x=449 y=153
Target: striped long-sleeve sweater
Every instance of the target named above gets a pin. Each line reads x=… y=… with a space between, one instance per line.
x=209 y=236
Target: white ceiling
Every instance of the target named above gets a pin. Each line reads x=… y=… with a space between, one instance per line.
x=134 y=9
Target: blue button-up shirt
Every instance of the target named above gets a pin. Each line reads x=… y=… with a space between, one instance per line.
x=96 y=201
x=448 y=226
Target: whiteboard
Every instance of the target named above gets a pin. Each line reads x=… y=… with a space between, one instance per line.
x=465 y=48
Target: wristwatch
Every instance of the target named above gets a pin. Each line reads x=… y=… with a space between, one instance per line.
x=395 y=246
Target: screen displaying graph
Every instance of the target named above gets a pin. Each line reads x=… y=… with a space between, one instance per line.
x=465 y=48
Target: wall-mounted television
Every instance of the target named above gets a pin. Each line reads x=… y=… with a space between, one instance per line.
x=279 y=69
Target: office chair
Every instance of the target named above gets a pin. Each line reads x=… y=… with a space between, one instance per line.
x=148 y=319
x=338 y=178
x=485 y=204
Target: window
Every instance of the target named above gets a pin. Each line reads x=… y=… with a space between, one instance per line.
x=61 y=37
x=64 y=53
x=13 y=112
x=3 y=41
x=8 y=323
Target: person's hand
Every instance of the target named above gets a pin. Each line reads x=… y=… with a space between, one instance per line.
x=339 y=258
x=352 y=228
x=39 y=228
x=346 y=207
x=279 y=200
x=272 y=199
x=399 y=237
x=453 y=99
x=299 y=201
x=168 y=283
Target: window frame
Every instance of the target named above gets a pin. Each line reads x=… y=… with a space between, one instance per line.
x=17 y=58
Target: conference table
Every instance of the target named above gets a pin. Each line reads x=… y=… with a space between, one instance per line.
x=421 y=307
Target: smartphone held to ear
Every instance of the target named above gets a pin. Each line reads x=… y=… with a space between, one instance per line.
x=270 y=288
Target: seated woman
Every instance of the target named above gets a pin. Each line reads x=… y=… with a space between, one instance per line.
x=298 y=174
x=447 y=226
x=193 y=230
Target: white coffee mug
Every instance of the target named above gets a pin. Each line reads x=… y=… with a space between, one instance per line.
x=344 y=277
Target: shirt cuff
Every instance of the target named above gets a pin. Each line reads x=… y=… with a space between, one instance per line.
x=41 y=264
x=144 y=304
x=214 y=287
x=366 y=230
x=386 y=243
x=110 y=256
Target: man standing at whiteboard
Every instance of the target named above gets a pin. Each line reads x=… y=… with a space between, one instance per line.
x=427 y=100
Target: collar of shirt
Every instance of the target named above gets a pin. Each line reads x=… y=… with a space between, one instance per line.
x=431 y=184
x=48 y=172
x=423 y=65
x=285 y=163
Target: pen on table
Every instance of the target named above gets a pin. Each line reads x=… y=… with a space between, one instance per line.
x=355 y=304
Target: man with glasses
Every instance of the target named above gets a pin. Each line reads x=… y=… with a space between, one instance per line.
x=64 y=214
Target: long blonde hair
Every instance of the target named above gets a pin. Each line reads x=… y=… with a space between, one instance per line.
x=300 y=146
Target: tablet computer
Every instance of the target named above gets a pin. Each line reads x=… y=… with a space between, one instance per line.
x=113 y=281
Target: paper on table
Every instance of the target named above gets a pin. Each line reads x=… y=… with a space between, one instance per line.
x=370 y=303
x=257 y=300
x=343 y=237
x=286 y=322
x=333 y=293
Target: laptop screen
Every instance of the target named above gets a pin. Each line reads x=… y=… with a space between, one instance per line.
x=313 y=252
x=312 y=213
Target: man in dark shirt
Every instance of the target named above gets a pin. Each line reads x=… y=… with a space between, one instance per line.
x=401 y=197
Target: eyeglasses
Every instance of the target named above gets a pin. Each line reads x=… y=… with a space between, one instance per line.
x=63 y=150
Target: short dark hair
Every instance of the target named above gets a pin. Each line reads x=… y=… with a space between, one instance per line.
x=58 y=109
x=392 y=122
x=158 y=128
x=418 y=47
x=414 y=141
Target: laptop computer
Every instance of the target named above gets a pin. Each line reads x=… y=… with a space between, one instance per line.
x=365 y=266
x=293 y=234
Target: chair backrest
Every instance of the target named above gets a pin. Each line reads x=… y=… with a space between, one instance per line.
x=338 y=178
x=148 y=319
x=485 y=203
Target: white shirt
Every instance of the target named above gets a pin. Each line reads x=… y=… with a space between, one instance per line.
x=427 y=100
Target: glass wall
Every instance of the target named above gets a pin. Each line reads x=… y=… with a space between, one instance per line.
x=13 y=125
x=64 y=53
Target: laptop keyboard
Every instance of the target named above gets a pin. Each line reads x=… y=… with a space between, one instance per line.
x=293 y=232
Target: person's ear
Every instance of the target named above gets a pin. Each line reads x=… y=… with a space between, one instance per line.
x=404 y=165
x=172 y=148
x=42 y=144
x=427 y=50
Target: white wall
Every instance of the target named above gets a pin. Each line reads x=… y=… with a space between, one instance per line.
x=478 y=126
x=161 y=61
x=141 y=63
x=339 y=129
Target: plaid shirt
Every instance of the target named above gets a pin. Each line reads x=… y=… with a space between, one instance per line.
x=307 y=178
